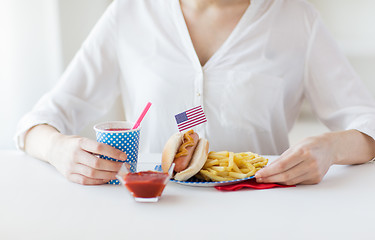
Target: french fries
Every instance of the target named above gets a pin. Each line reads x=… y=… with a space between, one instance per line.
x=226 y=166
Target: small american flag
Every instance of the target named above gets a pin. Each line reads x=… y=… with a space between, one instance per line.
x=190 y=118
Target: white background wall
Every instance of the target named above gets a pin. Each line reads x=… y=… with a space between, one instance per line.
x=38 y=38
x=353 y=25
x=30 y=58
x=77 y=17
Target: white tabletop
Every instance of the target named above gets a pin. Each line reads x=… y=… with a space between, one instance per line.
x=38 y=203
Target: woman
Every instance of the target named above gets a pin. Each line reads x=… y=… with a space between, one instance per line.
x=249 y=64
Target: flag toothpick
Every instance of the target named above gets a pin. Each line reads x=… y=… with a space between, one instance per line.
x=190 y=118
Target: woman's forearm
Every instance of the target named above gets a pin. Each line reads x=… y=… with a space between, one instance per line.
x=354 y=148
x=39 y=140
x=309 y=160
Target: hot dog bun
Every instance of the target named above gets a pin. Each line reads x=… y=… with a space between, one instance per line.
x=197 y=161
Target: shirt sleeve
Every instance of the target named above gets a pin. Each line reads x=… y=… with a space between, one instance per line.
x=86 y=90
x=335 y=91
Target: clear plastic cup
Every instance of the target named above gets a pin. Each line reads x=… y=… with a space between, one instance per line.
x=145 y=186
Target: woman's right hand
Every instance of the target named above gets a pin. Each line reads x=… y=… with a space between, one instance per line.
x=77 y=158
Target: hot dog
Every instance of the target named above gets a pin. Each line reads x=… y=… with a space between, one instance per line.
x=187 y=151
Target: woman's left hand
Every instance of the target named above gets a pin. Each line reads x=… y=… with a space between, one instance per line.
x=308 y=161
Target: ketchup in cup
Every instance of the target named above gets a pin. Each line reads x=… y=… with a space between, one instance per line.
x=117 y=129
x=145 y=186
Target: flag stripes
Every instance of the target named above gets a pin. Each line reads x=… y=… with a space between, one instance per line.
x=190 y=118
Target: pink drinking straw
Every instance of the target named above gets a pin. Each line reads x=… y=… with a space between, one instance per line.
x=136 y=125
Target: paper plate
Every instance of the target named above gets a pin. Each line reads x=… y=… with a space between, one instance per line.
x=195 y=182
x=200 y=183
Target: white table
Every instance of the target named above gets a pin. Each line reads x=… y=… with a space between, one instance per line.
x=36 y=202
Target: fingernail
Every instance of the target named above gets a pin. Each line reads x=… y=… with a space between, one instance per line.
x=259 y=179
x=258 y=175
x=123 y=156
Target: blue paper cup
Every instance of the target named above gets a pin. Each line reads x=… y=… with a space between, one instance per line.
x=118 y=134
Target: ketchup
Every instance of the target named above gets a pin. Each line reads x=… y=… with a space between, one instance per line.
x=147 y=184
x=117 y=129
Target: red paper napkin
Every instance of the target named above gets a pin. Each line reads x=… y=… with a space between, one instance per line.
x=251 y=183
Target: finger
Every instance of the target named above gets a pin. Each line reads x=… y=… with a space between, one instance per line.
x=282 y=164
x=93 y=173
x=80 y=179
x=292 y=176
x=98 y=163
x=102 y=149
x=313 y=176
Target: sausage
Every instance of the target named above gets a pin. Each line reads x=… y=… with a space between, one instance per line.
x=186 y=150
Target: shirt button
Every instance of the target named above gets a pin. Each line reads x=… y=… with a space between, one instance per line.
x=198 y=94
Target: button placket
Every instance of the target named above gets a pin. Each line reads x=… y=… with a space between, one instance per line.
x=199 y=88
x=199 y=83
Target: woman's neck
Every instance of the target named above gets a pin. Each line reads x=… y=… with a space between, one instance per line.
x=200 y=5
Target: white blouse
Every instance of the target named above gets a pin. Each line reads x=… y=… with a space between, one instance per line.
x=251 y=89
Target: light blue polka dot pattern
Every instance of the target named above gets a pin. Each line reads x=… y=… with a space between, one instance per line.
x=127 y=142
